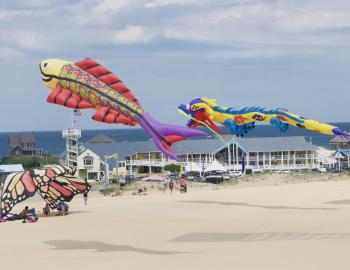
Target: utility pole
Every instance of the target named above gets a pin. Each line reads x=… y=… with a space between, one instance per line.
x=116 y=158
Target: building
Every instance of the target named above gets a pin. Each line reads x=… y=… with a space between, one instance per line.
x=342 y=157
x=72 y=136
x=139 y=158
x=23 y=144
x=5 y=170
x=269 y=153
x=340 y=142
x=89 y=165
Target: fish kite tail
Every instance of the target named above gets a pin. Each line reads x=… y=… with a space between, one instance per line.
x=338 y=132
x=164 y=135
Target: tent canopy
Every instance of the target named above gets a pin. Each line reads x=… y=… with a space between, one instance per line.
x=215 y=166
x=193 y=167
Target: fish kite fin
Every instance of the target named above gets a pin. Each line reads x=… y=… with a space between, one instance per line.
x=106 y=76
x=111 y=116
x=164 y=135
x=64 y=97
x=340 y=133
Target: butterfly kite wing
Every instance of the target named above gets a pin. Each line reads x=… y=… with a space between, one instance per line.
x=17 y=188
x=63 y=189
x=20 y=186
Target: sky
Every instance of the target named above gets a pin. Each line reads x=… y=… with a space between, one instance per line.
x=272 y=53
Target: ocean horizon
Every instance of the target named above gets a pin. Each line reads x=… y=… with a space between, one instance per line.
x=53 y=143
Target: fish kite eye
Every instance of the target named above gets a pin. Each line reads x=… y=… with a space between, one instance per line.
x=45 y=64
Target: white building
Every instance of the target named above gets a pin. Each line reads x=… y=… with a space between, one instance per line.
x=269 y=153
x=89 y=165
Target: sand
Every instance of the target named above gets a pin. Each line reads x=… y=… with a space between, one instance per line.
x=278 y=225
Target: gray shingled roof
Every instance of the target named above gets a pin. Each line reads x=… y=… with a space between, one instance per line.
x=16 y=140
x=202 y=146
x=274 y=144
x=102 y=138
x=338 y=139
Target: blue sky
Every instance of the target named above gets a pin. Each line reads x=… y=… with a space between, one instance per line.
x=292 y=54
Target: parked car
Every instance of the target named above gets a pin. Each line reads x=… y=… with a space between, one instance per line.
x=235 y=173
x=192 y=175
x=214 y=177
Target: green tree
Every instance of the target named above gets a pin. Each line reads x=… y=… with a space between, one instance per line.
x=31 y=162
x=172 y=168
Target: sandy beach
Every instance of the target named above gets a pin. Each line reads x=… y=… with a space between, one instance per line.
x=278 y=225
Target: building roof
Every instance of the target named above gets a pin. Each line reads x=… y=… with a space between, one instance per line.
x=102 y=138
x=345 y=152
x=338 y=139
x=274 y=144
x=11 y=168
x=209 y=146
x=17 y=140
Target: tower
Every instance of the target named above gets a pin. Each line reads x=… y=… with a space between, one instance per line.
x=72 y=136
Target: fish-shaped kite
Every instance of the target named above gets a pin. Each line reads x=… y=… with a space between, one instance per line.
x=89 y=85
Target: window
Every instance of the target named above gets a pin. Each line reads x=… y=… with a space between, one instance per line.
x=92 y=176
x=88 y=161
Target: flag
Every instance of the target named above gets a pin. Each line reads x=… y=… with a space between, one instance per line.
x=243 y=165
x=77 y=112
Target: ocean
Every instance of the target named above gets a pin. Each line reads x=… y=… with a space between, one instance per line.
x=53 y=143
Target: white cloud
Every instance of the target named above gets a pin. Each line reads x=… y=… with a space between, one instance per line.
x=106 y=6
x=11 y=14
x=102 y=11
x=23 y=39
x=314 y=20
x=131 y=34
x=160 y=3
x=10 y=54
x=245 y=11
x=246 y=53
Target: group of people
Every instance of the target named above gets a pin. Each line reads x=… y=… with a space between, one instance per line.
x=181 y=185
x=26 y=215
x=29 y=215
x=62 y=209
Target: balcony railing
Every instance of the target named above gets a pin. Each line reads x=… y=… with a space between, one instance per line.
x=160 y=162
x=284 y=157
x=74 y=158
x=71 y=133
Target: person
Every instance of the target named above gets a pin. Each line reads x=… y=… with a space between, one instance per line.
x=163 y=185
x=31 y=217
x=62 y=208
x=183 y=184
x=85 y=197
x=171 y=186
x=47 y=209
x=24 y=213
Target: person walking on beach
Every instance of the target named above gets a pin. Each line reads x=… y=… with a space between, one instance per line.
x=85 y=198
x=171 y=186
x=183 y=185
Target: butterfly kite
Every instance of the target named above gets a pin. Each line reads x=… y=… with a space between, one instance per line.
x=54 y=184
